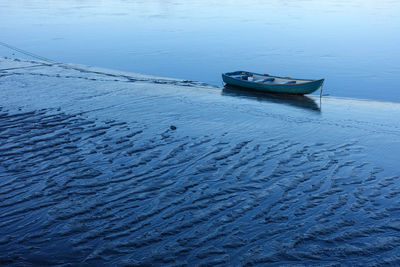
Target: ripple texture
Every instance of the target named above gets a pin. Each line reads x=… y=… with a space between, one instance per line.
x=83 y=191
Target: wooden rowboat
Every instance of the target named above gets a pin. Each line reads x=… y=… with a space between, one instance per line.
x=273 y=84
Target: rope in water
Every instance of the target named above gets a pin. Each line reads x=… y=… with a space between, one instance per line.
x=73 y=67
x=27 y=53
x=38 y=57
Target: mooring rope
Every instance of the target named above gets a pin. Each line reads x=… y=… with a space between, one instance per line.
x=72 y=67
x=27 y=53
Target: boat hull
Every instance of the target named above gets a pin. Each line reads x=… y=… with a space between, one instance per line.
x=303 y=88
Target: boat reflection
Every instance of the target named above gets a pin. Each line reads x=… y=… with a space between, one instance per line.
x=299 y=101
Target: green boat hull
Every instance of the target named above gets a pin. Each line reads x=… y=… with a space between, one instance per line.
x=307 y=87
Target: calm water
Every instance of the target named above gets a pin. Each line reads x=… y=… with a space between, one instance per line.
x=353 y=44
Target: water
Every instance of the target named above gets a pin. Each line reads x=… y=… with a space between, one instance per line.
x=353 y=44
x=92 y=173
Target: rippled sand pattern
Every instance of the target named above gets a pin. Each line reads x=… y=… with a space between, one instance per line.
x=85 y=191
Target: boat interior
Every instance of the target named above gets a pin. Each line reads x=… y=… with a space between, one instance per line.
x=265 y=79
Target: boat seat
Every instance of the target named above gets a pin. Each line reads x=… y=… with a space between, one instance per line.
x=240 y=77
x=269 y=80
x=290 y=82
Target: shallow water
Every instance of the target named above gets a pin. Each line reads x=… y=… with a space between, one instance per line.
x=353 y=44
x=91 y=172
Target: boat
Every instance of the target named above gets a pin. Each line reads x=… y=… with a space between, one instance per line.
x=272 y=84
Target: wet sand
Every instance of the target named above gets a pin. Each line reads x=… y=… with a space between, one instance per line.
x=105 y=167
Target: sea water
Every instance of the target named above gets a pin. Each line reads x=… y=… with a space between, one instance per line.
x=354 y=45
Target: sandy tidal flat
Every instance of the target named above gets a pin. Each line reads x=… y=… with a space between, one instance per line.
x=105 y=167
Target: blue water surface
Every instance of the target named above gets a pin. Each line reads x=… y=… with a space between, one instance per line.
x=353 y=44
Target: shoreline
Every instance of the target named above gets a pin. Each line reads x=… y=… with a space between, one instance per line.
x=138 y=76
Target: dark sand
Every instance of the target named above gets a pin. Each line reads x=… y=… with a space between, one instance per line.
x=105 y=167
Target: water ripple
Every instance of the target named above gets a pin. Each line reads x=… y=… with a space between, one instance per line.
x=105 y=191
